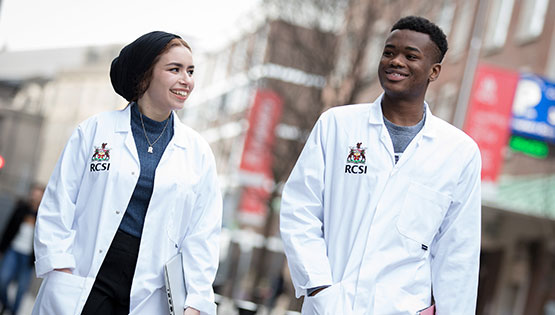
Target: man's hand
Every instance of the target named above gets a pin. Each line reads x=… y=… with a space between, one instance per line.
x=66 y=270
x=191 y=311
x=317 y=291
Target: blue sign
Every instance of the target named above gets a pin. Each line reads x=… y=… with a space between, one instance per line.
x=534 y=108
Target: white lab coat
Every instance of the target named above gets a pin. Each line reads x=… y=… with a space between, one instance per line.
x=84 y=203
x=383 y=238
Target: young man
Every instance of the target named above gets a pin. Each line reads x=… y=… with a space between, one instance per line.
x=381 y=214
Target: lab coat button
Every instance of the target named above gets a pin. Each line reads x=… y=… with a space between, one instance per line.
x=133 y=173
x=100 y=251
x=117 y=212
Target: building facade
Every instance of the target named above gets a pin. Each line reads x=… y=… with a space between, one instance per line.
x=255 y=101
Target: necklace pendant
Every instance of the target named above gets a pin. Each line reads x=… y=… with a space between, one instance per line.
x=150 y=150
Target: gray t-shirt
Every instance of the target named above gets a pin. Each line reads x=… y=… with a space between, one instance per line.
x=401 y=136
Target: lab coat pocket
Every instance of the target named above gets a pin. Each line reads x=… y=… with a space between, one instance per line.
x=61 y=293
x=392 y=300
x=329 y=301
x=180 y=216
x=422 y=213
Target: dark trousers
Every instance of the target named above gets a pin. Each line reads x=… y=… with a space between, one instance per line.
x=112 y=287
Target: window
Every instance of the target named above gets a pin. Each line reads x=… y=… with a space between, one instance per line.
x=374 y=49
x=343 y=64
x=550 y=69
x=259 y=47
x=532 y=19
x=238 y=100
x=445 y=102
x=373 y=56
x=498 y=21
x=446 y=15
x=221 y=66
x=239 y=57
x=205 y=70
x=461 y=32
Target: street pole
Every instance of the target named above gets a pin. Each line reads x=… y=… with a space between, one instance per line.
x=471 y=64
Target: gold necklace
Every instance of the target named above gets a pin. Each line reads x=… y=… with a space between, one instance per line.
x=150 y=149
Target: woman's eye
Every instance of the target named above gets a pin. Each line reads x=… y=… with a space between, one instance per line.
x=174 y=69
x=190 y=72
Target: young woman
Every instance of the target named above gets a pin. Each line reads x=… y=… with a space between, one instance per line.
x=132 y=189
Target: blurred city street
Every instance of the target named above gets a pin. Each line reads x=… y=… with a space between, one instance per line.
x=265 y=70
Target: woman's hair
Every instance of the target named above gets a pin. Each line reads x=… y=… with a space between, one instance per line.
x=144 y=83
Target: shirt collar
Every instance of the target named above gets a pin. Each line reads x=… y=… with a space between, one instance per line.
x=376 y=117
x=123 y=124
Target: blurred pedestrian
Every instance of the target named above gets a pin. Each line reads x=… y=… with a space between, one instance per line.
x=381 y=214
x=132 y=189
x=16 y=246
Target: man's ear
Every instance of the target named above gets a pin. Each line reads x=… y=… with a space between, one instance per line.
x=434 y=72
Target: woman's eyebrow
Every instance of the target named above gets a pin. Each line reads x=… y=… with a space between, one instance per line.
x=177 y=64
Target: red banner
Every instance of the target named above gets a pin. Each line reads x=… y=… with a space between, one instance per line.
x=256 y=162
x=263 y=118
x=489 y=115
x=254 y=201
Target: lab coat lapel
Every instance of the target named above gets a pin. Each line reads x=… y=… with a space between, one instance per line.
x=426 y=134
x=376 y=119
x=123 y=126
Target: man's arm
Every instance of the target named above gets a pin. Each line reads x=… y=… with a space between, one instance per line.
x=301 y=217
x=456 y=249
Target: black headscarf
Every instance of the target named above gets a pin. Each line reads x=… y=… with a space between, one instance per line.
x=134 y=60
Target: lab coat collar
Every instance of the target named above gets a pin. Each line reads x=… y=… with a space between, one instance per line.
x=123 y=121
x=179 y=131
x=123 y=124
x=376 y=118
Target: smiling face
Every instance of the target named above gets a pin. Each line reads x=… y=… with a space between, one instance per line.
x=408 y=64
x=171 y=82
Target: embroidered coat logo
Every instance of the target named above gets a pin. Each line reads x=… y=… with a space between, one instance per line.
x=357 y=156
x=101 y=154
x=100 y=159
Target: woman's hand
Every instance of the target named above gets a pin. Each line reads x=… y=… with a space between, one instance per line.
x=191 y=311
x=66 y=270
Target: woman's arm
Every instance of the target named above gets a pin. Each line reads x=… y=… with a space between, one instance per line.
x=53 y=234
x=191 y=311
x=200 y=246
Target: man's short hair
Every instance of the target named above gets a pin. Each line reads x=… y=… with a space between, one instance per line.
x=423 y=25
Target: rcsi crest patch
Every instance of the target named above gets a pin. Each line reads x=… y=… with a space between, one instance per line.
x=100 y=159
x=357 y=156
x=101 y=154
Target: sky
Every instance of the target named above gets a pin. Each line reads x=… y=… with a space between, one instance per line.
x=46 y=24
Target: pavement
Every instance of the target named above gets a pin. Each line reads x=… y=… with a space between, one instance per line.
x=26 y=306
x=226 y=306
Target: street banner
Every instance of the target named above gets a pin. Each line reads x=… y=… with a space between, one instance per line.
x=489 y=115
x=534 y=108
x=256 y=163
